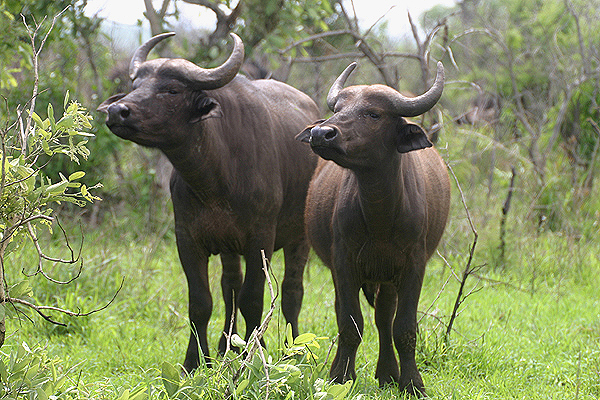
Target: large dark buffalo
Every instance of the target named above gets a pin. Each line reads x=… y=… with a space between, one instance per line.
x=239 y=181
x=375 y=213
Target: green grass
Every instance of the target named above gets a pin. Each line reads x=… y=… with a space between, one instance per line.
x=520 y=335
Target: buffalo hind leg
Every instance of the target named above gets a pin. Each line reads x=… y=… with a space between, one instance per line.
x=405 y=331
x=292 y=290
x=231 y=283
x=385 y=309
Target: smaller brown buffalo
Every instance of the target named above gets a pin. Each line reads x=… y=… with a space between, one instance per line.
x=374 y=214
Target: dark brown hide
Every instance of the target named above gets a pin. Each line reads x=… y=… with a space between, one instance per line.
x=375 y=213
x=238 y=186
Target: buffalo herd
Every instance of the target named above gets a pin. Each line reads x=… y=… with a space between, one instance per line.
x=368 y=193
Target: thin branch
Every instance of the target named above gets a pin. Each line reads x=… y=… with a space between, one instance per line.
x=42 y=256
x=16 y=225
x=354 y=55
x=468 y=270
x=40 y=309
x=257 y=333
x=36 y=53
x=321 y=36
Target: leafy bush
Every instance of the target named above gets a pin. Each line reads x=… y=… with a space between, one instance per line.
x=28 y=373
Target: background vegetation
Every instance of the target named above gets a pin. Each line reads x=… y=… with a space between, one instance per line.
x=518 y=126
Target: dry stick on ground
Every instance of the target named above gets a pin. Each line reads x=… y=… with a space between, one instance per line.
x=468 y=269
x=505 y=210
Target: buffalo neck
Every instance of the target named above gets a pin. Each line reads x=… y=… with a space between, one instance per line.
x=387 y=193
x=200 y=162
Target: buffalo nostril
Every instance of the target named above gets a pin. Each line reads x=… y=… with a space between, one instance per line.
x=330 y=134
x=323 y=133
x=118 y=113
x=124 y=112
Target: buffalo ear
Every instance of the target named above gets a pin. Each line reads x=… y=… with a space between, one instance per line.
x=304 y=136
x=207 y=108
x=103 y=107
x=411 y=137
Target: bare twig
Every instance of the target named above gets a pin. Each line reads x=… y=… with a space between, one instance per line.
x=505 y=210
x=258 y=333
x=36 y=53
x=468 y=269
x=40 y=309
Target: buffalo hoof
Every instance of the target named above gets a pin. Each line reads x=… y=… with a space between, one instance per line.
x=414 y=388
x=341 y=374
x=387 y=379
x=387 y=371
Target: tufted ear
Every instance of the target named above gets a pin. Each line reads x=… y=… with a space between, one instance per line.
x=207 y=107
x=411 y=137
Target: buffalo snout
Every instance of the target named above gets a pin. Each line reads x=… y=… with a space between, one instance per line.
x=118 y=113
x=326 y=141
x=322 y=135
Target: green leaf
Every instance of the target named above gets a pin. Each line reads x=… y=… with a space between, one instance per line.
x=43 y=133
x=66 y=122
x=241 y=386
x=57 y=188
x=124 y=395
x=87 y=134
x=66 y=102
x=138 y=394
x=3 y=372
x=46 y=147
x=288 y=334
x=36 y=118
x=51 y=117
x=21 y=289
x=237 y=341
x=170 y=378
x=339 y=391
x=304 y=338
x=76 y=175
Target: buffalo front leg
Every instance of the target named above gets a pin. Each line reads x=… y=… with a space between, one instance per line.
x=195 y=266
x=231 y=283
x=350 y=328
x=252 y=292
x=292 y=290
x=405 y=331
x=385 y=309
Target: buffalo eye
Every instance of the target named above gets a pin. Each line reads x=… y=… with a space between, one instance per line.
x=373 y=115
x=172 y=91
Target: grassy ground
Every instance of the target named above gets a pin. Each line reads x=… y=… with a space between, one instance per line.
x=532 y=333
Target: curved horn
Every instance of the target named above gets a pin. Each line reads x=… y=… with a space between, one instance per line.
x=142 y=52
x=338 y=85
x=213 y=78
x=413 y=106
